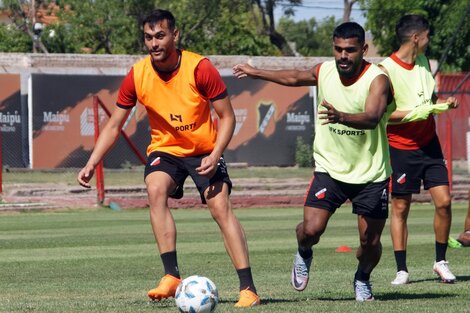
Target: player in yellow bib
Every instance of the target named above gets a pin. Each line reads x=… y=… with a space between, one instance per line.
x=416 y=155
x=350 y=151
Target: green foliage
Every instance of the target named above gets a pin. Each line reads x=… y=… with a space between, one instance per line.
x=225 y=27
x=303 y=153
x=105 y=26
x=444 y=17
x=14 y=40
x=311 y=38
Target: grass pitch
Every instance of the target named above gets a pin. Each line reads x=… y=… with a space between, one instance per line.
x=105 y=261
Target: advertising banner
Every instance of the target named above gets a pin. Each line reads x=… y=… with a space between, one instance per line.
x=11 y=120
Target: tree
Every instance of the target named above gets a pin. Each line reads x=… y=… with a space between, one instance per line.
x=450 y=27
x=347 y=9
x=226 y=27
x=14 y=40
x=310 y=37
x=22 y=13
x=266 y=9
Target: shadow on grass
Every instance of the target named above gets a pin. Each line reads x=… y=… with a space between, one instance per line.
x=436 y=279
x=462 y=278
x=266 y=301
x=412 y=296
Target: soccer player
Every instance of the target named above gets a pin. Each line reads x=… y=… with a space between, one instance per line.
x=464 y=238
x=350 y=151
x=415 y=151
x=178 y=88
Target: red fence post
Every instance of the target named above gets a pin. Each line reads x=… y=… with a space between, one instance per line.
x=1 y=162
x=449 y=150
x=99 y=167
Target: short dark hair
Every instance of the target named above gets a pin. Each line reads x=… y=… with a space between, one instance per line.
x=159 y=15
x=410 y=24
x=350 y=30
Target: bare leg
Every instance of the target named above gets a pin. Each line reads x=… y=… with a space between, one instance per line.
x=370 y=249
x=398 y=223
x=233 y=235
x=313 y=226
x=443 y=214
x=159 y=185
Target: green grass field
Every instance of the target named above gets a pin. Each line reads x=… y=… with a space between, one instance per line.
x=105 y=261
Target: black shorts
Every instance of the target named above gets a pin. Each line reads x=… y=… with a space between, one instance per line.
x=410 y=167
x=179 y=168
x=370 y=199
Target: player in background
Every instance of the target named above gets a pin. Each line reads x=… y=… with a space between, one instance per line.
x=464 y=238
x=177 y=88
x=350 y=151
x=415 y=150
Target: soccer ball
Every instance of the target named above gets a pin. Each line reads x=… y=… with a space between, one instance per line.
x=196 y=294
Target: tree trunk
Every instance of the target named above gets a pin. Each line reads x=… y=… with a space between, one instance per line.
x=347 y=10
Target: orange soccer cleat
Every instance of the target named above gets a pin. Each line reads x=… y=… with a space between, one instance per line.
x=247 y=299
x=165 y=289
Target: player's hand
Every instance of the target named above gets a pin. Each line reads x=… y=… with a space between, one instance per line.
x=208 y=166
x=330 y=115
x=85 y=175
x=242 y=70
x=453 y=102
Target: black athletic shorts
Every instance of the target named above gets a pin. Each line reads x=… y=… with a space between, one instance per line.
x=370 y=199
x=410 y=167
x=179 y=168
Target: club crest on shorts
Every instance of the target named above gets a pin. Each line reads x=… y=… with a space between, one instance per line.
x=402 y=179
x=155 y=162
x=321 y=194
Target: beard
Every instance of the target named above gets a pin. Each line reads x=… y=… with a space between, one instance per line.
x=348 y=69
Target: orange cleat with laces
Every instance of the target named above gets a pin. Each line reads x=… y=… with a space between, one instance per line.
x=165 y=289
x=247 y=299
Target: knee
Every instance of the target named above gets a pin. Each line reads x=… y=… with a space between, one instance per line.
x=311 y=230
x=444 y=205
x=400 y=210
x=370 y=244
x=220 y=213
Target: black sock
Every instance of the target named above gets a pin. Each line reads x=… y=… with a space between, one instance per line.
x=170 y=263
x=305 y=253
x=360 y=275
x=441 y=249
x=246 y=279
x=400 y=258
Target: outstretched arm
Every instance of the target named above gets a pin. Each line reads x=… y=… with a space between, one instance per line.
x=283 y=77
x=105 y=141
x=375 y=107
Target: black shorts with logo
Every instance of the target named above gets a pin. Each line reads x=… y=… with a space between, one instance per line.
x=179 y=168
x=410 y=167
x=369 y=199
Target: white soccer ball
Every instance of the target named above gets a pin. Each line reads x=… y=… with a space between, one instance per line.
x=196 y=294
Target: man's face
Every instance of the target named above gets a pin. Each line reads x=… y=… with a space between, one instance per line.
x=348 y=54
x=160 y=41
x=422 y=40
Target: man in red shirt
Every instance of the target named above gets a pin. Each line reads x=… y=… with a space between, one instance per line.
x=178 y=88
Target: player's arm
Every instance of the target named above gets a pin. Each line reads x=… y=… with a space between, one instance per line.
x=211 y=85
x=283 y=77
x=225 y=128
x=452 y=102
x=105 y=141
x=111 y=130
x=375 y=107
